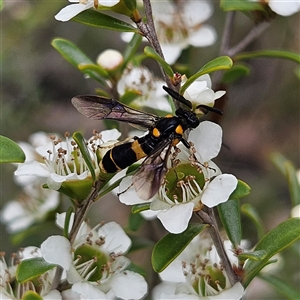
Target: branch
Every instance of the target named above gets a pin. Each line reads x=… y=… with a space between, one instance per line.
x=82 y=210
x=209 y=218
x=148 y=30
x=249 y=38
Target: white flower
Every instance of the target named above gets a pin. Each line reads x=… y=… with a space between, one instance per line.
x=179 y=26
x=95 y=265
x=143 y=82
x=63 y=161
x=201 y=182
x=198 y=273
x=200 y=91
x=31 y=206
x=41 y=285
x=73 y=10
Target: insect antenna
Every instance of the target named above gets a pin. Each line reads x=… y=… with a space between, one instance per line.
x=178 y=97
x=205 y=109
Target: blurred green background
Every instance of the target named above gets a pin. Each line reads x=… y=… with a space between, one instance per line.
x=261 y=114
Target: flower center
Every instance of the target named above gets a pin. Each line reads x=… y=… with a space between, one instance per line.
x=206 y=277
x=91 y=263
x=184 y=183
x=65 y=157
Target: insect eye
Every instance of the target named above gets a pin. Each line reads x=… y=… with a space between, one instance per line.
x=156 y=132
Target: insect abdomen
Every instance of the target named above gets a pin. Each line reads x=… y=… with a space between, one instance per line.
x=124 y=155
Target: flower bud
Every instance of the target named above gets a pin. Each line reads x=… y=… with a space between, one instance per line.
x=110 y=59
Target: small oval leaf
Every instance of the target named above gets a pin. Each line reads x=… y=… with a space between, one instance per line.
x=219 y=63
x=228 y=5
x=273 y=242
x=270 y=54
x=150 y=52
x=248 y=210
x=229 y=213
x=288 y=170
x=137 y=208
x=236 y=72
x=97 y=19
x=78 y=138
x=72 y=54
x=242 y=190
x=171 y=245
x=31 y=268
x=283 y=288
x=10 y=151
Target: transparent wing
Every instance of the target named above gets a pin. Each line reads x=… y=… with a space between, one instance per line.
x=149 y=176
x=97 y=108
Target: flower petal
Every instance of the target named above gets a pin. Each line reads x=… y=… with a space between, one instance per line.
x=173 y=272
x=205 y=36
x=110 y=135
x=176 y=219
x=71 y=11
x=32 y=168
x=88 y=291
x=57 y=244
x=53 y=295
x=219 y=190
x=108 y=3
x=116 y=239
x=207 y=138
x=172 y=52
x=129 y=285
x=234 y=293
x=128 y=194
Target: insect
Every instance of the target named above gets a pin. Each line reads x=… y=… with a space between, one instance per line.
x=164 y=133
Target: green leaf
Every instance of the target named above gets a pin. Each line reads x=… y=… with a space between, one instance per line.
x=273 y=242
x=288 y=170
x=286 y=290
x=228 y=5
x=229 y=213
x=137 y=208
x=253 y=255
x=135 y=221
x=69 y=213
x=236 y=72
x=269 y=53
x=131 y=4
x=219 y=63
x=129 y=96
x=1 y=4
x=139 y=243
x=242 y=190
x=251 y=213
x=31 y=268
x=90 y=68
x=97 y=19
x=171 y=245
x=150 y=52
x=72 y=54
x=131 y=48
x=78 y=138
x=10 y=151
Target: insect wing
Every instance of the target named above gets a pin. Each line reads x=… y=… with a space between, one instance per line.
x=97 y=108
x=148 y=178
